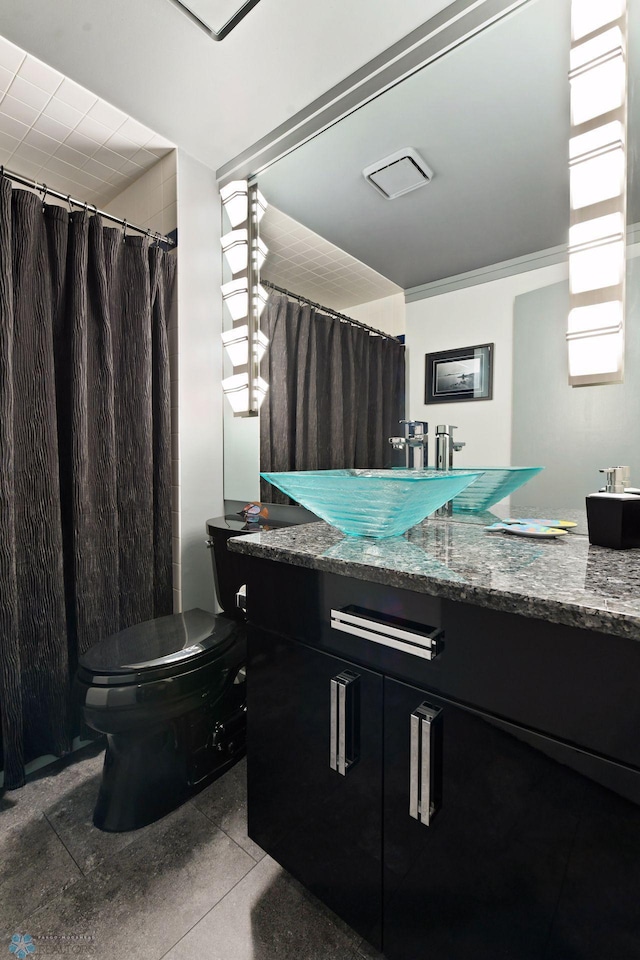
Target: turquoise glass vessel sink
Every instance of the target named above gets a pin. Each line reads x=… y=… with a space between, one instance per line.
x=493 y=484
x=372 y=503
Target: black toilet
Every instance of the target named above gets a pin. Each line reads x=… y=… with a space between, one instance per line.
x=170 y=695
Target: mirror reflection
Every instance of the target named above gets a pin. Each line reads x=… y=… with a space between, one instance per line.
x=477 y=255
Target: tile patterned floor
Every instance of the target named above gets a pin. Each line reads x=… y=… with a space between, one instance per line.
x=191 y=885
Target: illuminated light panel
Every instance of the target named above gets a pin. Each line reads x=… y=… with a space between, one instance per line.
x=595 y=355
x=591 y=231
x=260 y=206
x=597 y=266
x=590 y=15
x=236 y=343
x=602 y=317
x=236 y=296
x=603 y=45
x=235 y=199
x=235 y=246
x=598 y=90
x=236 y=390
x=599 y=177
x=608 y=135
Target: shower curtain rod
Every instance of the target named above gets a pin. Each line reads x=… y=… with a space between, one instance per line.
x=48 y=192
x=334 y=313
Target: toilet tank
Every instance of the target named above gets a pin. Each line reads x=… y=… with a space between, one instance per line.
x=228 y=574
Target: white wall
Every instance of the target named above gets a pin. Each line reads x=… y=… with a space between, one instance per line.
x=387 y=314
x=461 y=318
x=200 y=373
x=151 y=200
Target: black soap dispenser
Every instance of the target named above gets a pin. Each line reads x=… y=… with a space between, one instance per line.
x=613 y=515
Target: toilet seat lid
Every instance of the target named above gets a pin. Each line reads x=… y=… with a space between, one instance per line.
x=165 y=642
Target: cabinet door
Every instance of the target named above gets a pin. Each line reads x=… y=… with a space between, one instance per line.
x=323 y=826
x=482 y=880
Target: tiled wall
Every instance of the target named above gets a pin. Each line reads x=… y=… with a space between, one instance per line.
x=387 y=314
x=151 y=201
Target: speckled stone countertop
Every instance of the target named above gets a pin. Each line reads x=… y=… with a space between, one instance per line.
x=563 y=581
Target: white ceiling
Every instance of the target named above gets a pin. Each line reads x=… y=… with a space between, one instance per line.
x=211 y=99
x=56 y=132
x=307 y=264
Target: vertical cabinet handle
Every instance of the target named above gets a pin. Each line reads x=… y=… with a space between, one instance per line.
x=344 y=749
x=425 y=768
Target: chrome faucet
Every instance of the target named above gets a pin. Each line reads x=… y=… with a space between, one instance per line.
x=446 y=446
x=415 y=443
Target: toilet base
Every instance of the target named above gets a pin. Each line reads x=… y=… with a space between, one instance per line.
x=149 y=773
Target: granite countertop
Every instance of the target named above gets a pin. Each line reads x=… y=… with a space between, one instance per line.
x=565 y=580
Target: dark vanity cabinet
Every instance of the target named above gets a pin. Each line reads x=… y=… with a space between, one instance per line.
x=436 y=827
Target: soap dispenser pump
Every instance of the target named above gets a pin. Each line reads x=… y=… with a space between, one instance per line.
x=613 y=515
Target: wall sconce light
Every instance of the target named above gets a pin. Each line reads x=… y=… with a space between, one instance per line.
x=236 y=343
x=598 y=185
x=244 y=297
x=235 y=200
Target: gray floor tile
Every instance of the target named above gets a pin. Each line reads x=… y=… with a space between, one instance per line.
x=225 y=803
x=71 y=816
x=34 y=868
x=141 y=901
x=49 y=785
x=268 y=917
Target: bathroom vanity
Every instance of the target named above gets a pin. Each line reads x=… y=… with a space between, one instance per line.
x=444 y=737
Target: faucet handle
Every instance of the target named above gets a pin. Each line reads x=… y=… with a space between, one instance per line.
x=415 y=428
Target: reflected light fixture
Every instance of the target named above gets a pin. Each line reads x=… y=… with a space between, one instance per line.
x=245 y=298
x=598 y=185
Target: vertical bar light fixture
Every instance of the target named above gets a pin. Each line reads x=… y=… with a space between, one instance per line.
x=598 y=188
x=244 y=297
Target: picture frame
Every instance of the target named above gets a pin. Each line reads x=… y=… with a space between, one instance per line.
x=466 y=373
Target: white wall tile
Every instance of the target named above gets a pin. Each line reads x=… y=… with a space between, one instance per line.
x=29 y=93
x=62 y=112
x=107 y=114
x=8 y=143
x=53 y=128
x=75 y=95
x=38 y=73
x=13 y=127
x=10 y=56
x=19 y=110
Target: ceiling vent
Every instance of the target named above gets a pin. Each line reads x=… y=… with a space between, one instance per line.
x=399 y=173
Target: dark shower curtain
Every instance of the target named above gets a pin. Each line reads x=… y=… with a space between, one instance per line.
x=85 y=497
x=336 y=393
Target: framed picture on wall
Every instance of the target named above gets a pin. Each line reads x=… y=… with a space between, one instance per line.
x=462 y=374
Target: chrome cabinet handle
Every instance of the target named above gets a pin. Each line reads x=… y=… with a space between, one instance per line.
x=425 y=767
x=344 y=750
x=360 y=623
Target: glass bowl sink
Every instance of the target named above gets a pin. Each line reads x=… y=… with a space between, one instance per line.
x=493 y=484
x=372 y=503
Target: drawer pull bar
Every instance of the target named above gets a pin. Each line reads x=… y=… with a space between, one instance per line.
x=425 y=645
x=344 y=749
x=425 y=768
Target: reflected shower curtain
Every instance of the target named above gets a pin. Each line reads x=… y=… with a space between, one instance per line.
x=336 y=393
x=85 y=496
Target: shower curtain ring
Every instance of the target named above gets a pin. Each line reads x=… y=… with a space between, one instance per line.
x=124 y=231
x=43 y=188
x=69 y=203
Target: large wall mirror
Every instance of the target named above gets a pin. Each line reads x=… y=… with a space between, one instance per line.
x=478 y=254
